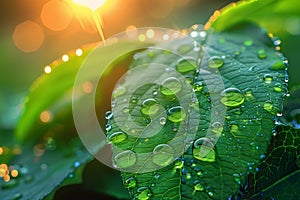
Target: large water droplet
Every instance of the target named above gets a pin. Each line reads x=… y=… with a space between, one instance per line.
x=203 y=150
x=163 y=155
x=186 y=64
x=130 y=182
x=125 y=159
x=261 y=54
x=268 y=78
x=150 y=107
x=170 y=86
x=117 y=137
x=197 y=86
x=232 y=97
x=143 y=193
x=176 y=114
x=215 y=62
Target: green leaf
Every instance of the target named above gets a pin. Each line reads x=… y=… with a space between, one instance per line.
x=41 y=169
x=271 y=14
x=279 y=170
x=243 y=57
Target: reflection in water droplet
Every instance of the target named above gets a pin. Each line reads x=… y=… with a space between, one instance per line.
x=203 y=150
x=117 y=137
x=176 y=114
x=268 y=78
x=130 y=183
x=197 y=86
x=186 y=64
x=143 y=193
x=170 y=86
x=125 y=159
x=232 y=97
x=261 y=54
x=215 y=62
x=150 y=107
x=163 y=155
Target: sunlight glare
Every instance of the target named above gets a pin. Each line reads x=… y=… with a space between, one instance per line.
x=91 y=4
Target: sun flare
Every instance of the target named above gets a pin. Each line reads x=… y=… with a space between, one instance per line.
x=91 y=4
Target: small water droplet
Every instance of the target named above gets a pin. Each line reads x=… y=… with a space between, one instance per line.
x=162 y=121
x=276 y=41
x=215 y=62
x=268 y=106
x=197 y=86
x=188 y=176
x=170 y=86
x=156 y=176
x=199 y=185
x=117 y=137
x=261 y=54
x=217 y=128
x=76 y=164
x=268 y=78
x=119 y=91
x=278 y=87
x=130 y=183
x=17 y=196
x=237 y=178
x=248 y=43
x=176 y=114
x=186 y=64
x=143 y=193
x=232 y=97
x=278 y=65
x=125 y=159
x=203 y=150
x=125 y=110
x=163 y=155
x=108 y=115
x=178 y=163
x=108 y=127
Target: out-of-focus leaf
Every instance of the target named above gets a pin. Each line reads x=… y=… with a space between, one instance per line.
x=272 y=14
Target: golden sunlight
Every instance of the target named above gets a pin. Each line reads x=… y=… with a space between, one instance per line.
x=91 y=4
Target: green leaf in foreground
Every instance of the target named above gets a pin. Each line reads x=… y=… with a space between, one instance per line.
x=279 y=171
x=251 y=102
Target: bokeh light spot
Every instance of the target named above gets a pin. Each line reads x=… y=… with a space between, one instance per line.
x=56 y=15
x=65 y=58
x=14 y=173
x=45 y=116
x=1 y=151
x=78 y=52
x=87 y=87
x=47 y=69
x=28 y=36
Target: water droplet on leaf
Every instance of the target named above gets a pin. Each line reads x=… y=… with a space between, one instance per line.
x=261 y=54
x=268 y=78
x=125 y=159
x=117 y=137
x=203 y=150
x=176 y=114
x=150 y=107
x=199 y=186
x=215 y=62
x=170 y=86
x=197 y=86
x=163 y=155
x=130 y=182
x=143 y=193
x=186 y=64
x=278 y=66
x=232 y=97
